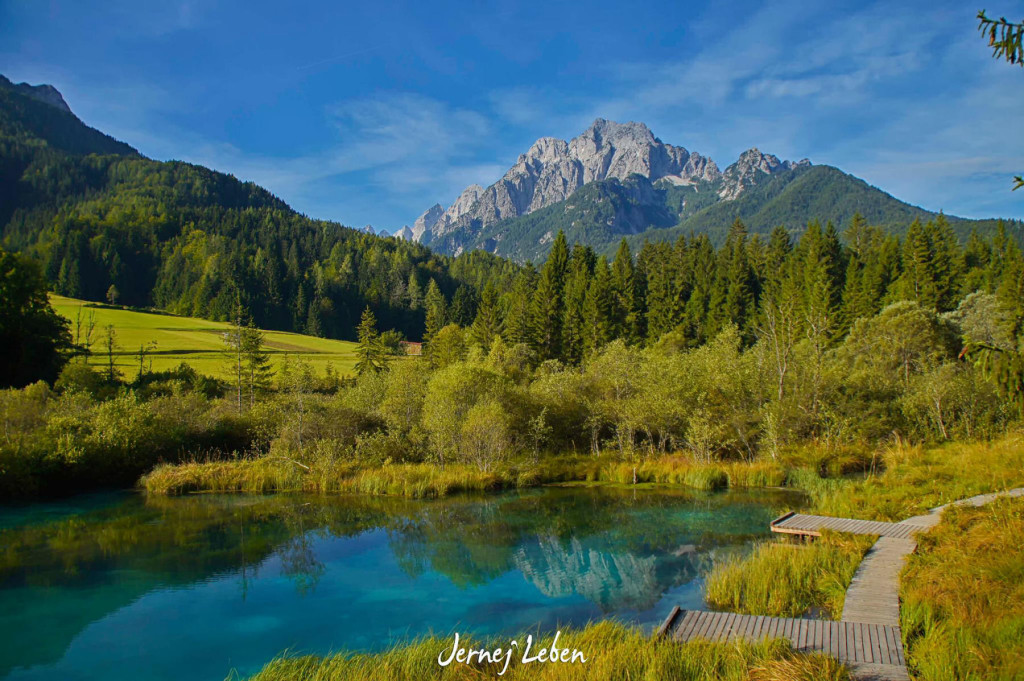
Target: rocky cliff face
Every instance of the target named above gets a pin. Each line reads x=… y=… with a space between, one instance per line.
x=553 y=169
x=751 y=166
x=47 y=94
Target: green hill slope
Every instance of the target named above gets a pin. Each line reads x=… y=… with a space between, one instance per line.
x=199 y=342
x=193 y=241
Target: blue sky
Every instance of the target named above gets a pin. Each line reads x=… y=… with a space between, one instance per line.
x=371 y=112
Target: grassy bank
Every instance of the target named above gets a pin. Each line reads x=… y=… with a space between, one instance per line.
x=612 y=651
x=279 y=474
x=787 y=580
x=963 y=590
x=963 y=596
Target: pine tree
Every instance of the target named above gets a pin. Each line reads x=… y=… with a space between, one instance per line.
x=574 y=322
x=548 y=301
x=414 y=292
x=437 y=311
x=463 y=307
x=703 y=265
x=370 y=353
x=733 y=293
x=625 y=311
x=518 y=311
x=918 y=281
x=487 y=324
x=946 y=265
x=818 y=279
x=663 y=314
x=599 y=309
x=256 y=362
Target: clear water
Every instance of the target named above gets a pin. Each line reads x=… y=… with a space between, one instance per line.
x=125 y=587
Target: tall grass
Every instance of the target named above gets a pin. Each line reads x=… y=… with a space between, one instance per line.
x=963 y=595
x=612 y=651
x=788 y=580
x=916 y=479
x=779 y=579
x=270 y=474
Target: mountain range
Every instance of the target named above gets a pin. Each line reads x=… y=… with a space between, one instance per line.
x=618 y=180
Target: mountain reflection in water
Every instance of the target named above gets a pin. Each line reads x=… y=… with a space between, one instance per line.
x=126 y=586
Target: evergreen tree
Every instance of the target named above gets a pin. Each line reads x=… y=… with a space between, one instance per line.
x=548 y=301
x=518 y=310
x=414 y=292
x=487 y=324
x=256 y=362
x=733 y=293
x=625 y=312
x=437 y=311
x=574 y=322
x=370 y=352
x=463 y=307
x=918 y=281
x=598 y=309
x=702 y=263
x=663 y=313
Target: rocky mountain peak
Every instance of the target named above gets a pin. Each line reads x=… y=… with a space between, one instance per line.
x=553 y=169
x=424 y=223
x=47 y=94
x=748 y=168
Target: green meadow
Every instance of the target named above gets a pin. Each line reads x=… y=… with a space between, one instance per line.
x=199 y=342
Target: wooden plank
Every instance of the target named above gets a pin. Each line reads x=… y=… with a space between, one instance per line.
x=858 y=651
x=773 y=627
x=883 y=641
x=686 y=625
x=706 y=619
x=755 y=628
x=717 y=620
x=723 y=632
x=693 y=627
x=874 y=650
x=841 y=643
x=746 y=628
x=890 y=639
x=663 y=629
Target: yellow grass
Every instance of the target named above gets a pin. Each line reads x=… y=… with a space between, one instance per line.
x=612 y=652
x=199 y=342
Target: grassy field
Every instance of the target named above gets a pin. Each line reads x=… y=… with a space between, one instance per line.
x=196 y=341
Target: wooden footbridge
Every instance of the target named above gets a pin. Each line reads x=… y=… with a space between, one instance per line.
x=867 y=637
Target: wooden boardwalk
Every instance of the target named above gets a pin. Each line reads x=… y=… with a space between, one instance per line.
x=872 y=650
x=874 y=593
x=812 y=525
x=868 y=636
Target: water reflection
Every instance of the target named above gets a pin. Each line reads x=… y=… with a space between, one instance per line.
x=215 y=582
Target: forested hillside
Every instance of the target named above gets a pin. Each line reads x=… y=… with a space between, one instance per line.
x=108 y=223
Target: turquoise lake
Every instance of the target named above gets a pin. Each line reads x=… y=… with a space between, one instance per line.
x=121 y=586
